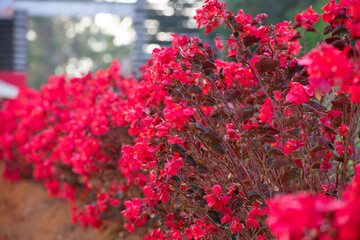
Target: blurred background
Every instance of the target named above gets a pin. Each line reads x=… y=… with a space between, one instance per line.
x=39 y=38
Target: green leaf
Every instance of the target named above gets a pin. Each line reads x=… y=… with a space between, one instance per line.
x=218 y=117
x=252 y=196
x=191 y=160
x=217 y=146
x=214 y=216
x=250 y=39
x=208 y=102
x=209 y=73
x=208 y=65
x=195 y=89
x=318 y=153
x=269 y=138
x=329 y=131
x=339 y=29
x=289 y=175
x=194 y=187
x=234 y=236
x=200 y=199
x=176 y=178
x=295 y=37
x=245 y=113
x=294 y=133
x=213 y=136
x=272 y=131
x=298 y=153
x=202 y=169
x=178 y=148
x=323 y=141
x=274 y=151
x=317 y=106
x=231 y=94
x=200 y=127
x=275 y=162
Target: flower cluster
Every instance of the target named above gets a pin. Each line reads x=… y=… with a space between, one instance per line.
x=289 y=215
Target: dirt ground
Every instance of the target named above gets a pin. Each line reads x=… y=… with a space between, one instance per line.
x=27 y=213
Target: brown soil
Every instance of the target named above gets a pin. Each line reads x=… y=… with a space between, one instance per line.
x=27 y=213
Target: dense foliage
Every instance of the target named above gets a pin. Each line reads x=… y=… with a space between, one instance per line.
x=259 y=145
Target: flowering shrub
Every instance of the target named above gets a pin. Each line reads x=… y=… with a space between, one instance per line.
x=261 y=144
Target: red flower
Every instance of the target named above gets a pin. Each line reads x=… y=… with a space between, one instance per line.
x=210 y=14
x=171 y=168
x=232 y=133
x=355 y=93
x=133 y=210
x=291 y=216
x=299 y=94
x=343 y=130
x=307 y=18
x=252 y=222
x=277 y=95
x=292 y=145
x=347 y=219
x=328 y=64
x=266 y=111
x=218 y=43
x=256 y=211
x=235 y=225
x=331 y=10
x=177 y=114
x=214 y=198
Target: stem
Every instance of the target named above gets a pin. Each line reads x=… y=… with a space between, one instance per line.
x=266 y=94
x=351 y=139
x=330 y=187
x=227 y=106
x=307 y=150
x=305 y=43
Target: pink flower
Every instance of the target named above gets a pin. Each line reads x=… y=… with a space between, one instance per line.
x=133 y=210
x=252 y=222
x=266 y=111
x=343 y=130
x=210 y=14
x=327 y=65
x=307 y=18
x=277 y=95
x=218 y=43
x=291 y=216
x=235 y=225
x=215 y=198
x=171 y=168
x=299 y=94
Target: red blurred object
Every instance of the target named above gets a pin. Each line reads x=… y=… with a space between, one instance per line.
x=16 y=78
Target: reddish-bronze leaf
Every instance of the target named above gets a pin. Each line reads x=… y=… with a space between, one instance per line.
x=266 y=64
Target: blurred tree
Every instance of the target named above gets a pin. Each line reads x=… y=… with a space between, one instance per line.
x=278 y=10
x=70 y=46
x=168 y=17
